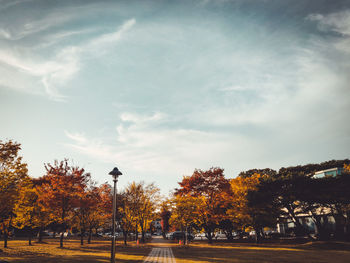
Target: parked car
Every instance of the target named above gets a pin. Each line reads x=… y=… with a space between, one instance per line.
x=168 y=235
x=181 y=235
x=220 y=236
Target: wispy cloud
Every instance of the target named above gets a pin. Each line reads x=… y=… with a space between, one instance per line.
x=55 y=72
x=147 y=146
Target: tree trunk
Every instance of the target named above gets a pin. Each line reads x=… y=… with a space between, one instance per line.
x=125 y=237
x=90 y=235
x=136 y=233
x=40 y=235
x=209 y=237
x=82 y=232
x=347 y=225
x=5 y=239
x=297 y=223
x=257 y=235
x=61 y=239
x=30 y=237
x=143 y=237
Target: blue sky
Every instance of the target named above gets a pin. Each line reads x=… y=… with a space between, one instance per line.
x=159 y=88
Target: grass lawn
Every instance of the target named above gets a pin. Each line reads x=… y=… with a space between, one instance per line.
x=98 y=251
x=199 y=252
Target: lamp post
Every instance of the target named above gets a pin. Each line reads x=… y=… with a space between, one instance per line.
x=115 y=173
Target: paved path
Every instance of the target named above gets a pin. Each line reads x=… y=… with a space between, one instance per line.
x=162 y=253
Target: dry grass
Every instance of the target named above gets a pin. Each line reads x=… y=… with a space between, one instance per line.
x=98 y=251
x=199 y=252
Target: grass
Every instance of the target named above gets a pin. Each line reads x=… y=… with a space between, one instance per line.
x=98 y=251
x=197 y=252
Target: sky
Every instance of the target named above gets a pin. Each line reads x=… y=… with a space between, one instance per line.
x=160 y=88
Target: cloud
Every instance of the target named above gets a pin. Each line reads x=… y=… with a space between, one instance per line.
x=337 y=22
x=147 y=147
x=55 y=72
x=271 y=110
x=139 y=118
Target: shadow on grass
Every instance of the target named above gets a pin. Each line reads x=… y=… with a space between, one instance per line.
x=69 y=259
x=250 y=254
x=98 y=252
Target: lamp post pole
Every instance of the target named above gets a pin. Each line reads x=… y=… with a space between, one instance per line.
x=115 y=173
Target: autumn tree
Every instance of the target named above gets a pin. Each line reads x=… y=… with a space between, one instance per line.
x=60 y=191
x=210 y=186
x=134 y=191
x=29 y=212
x=100 y=208
x=239 y=211
x=185 y=211
x=149 y=201
x=13 y=172
x=165 y=214
x=246 y=207
x=127 y=212
x=85 y=203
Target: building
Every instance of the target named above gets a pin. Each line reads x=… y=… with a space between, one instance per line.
x=329 y=172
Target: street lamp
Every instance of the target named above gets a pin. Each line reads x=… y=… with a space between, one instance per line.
x=115 y=173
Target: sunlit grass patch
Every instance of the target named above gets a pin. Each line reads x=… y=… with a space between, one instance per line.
x=98 y=251
x=199 y=252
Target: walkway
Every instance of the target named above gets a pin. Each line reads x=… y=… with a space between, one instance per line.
x=162 y=254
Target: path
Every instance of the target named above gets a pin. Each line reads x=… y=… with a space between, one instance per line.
x=161 y=254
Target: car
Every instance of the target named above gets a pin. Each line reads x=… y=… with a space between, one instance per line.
x=177 y=235
x=168 y=235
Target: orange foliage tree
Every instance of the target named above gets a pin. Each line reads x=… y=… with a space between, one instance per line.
x=60 y=191
x=211 y=186
x=12 y=174
x=29 y=212
x=100 y=212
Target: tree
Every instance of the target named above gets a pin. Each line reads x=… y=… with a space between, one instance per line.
x=84 y=206
x=239 y=212
x=127 y=213
x=185 y=211
x=212 y=187
x=149 y=200
x=165 y=215
x=60 y=191
x=29 y=213
x=140 y=206
x=12 y=174
x=100 y=212
x=266 y=172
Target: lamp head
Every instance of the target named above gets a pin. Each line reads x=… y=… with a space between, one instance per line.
x=115 y=173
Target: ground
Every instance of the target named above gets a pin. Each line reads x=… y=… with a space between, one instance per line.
x=98 y=251
x=197 y=252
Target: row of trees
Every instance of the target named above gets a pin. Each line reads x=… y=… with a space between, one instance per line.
x=65 y=198
x=207 y=201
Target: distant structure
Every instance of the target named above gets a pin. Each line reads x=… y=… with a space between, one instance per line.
x=157 y=226
x=329 y=172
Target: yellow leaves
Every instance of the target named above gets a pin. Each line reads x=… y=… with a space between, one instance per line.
x=12 y=174
x=347 y=167
x=28 y=210
x=185 y=210
x=240 y=187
